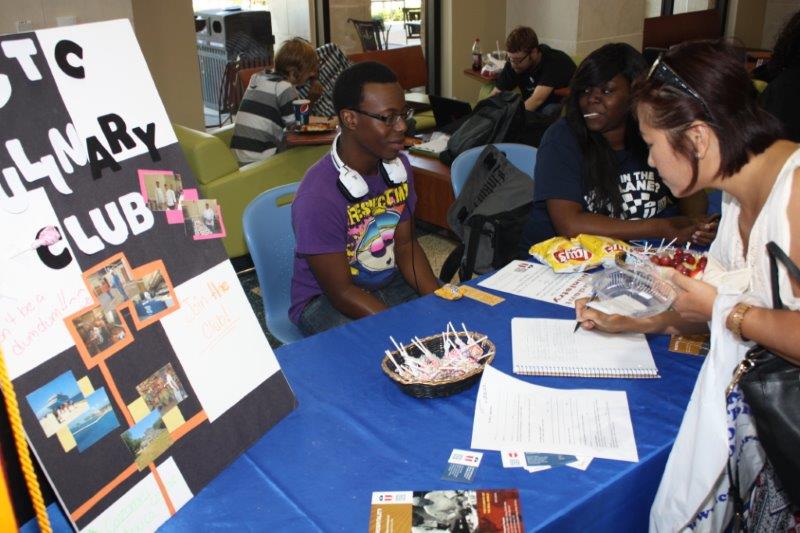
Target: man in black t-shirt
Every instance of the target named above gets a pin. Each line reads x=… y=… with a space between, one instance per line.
x=536 y=69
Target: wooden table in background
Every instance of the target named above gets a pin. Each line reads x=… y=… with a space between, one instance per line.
x=309 y=139
x=434 y=189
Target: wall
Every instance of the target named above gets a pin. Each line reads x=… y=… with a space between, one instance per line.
x=652 y=8
x=462 y=22
x=745 y=22
x=554 y=21
x=579 y=26
x=165 y=32
x=776 y=14
x=342 y=32
x=290 y=18
x=43 y=13
x=609 y=21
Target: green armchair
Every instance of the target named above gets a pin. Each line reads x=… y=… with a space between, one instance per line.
x=219 y=176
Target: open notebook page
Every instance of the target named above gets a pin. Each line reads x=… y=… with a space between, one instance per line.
x=544 y=346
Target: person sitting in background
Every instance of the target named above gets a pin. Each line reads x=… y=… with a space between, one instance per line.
x=536 y=69
x=332 y=61
x=698 y=114
x=356 y=253
x=266 y=108
x=591 y=170
x=781 y=95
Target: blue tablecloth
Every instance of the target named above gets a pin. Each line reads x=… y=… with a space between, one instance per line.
x=355 y=432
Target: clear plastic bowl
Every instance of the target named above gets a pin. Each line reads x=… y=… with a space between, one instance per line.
x=636 y=292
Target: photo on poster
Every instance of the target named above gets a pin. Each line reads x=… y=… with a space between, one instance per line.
x=163 y=390
x=111 y=284
x=148 y=439
x=203 y=219
x=153 y=296
x=99 y=332
x=162 y=189
x=57 y=403
x=96 y=422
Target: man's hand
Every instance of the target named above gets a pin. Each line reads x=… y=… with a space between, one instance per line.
x=699 y=230
x=315 y=90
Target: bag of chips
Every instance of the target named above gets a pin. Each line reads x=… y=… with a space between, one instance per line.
x=578 y=254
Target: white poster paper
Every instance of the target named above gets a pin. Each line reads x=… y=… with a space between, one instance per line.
x=220 y=353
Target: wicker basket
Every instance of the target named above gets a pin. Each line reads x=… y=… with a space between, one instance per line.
x=437 y=389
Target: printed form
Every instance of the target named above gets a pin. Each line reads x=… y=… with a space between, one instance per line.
x=510 y=413
x=539 y=282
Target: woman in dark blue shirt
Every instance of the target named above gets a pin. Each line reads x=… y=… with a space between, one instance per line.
x=592 y=174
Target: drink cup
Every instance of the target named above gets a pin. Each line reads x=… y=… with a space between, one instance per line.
x=302 y=111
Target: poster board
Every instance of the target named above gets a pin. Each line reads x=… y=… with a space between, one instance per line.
x=139 y=366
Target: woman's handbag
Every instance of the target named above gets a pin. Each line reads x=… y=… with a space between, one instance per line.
x=771 y=386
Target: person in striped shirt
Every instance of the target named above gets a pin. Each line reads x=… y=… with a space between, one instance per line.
x=266 y=108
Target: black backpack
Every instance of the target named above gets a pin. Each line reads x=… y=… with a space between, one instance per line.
x=488 y=216
x=500 y=118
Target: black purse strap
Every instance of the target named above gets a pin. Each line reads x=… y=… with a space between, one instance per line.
x=776 y=254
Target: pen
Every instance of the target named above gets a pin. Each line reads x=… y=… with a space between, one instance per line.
x=578 y=322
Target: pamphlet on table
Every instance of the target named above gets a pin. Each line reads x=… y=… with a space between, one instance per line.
x=433 y=147
x=511 y=413
x=551 y=347
x=477 y=511
x=539 y=282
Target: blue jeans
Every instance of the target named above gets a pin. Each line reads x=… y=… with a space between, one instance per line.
x=320 y=315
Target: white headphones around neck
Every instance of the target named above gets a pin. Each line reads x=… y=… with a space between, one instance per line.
x=353 y=186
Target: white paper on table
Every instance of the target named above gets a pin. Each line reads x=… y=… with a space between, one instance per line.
x=516 y=459
x=534 y=469
x=581 y=464
x=548 y=346
x=539 y=282
x=618 y=305
x=510 y=413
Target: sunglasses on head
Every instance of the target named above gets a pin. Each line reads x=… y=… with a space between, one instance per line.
x=662 y=72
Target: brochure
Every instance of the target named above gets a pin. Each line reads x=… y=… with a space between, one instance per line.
x=475 y=511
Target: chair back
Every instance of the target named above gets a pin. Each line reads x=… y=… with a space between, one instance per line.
x=270 y=239
x=407 y=62
x=246 y=73
x=372 y=34
x=521 y=156
x=412 y=21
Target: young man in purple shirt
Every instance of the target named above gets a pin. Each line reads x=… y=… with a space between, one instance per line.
x=356 y=253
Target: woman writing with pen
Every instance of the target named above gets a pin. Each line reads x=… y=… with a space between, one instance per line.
x=591 y=171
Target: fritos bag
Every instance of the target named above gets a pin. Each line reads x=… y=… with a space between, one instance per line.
x=576 y=255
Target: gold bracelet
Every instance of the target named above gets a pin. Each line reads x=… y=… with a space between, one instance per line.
x=735 y=319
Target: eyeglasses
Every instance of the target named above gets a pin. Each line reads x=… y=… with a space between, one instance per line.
x=392 y=119
x=515 y=61
x=664 y=73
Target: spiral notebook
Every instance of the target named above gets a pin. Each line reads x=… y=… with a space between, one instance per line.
x=548 y=347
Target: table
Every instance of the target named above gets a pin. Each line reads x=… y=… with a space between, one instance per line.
x=355 y=432
x=561 y=92
x=755 y=58
x=434 y=189
x=468 y=72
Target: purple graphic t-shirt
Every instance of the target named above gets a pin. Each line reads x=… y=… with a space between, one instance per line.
x=324 y=221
